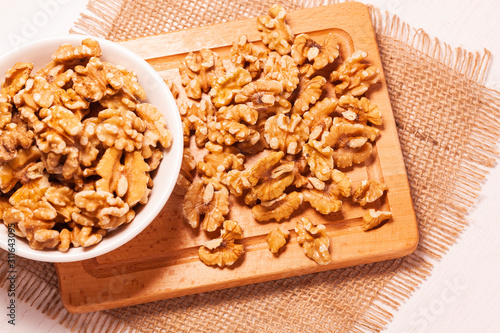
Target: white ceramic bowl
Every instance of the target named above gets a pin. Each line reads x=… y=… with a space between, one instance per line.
x=39 y=53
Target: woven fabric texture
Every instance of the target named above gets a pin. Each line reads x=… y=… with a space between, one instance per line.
x=448 y=128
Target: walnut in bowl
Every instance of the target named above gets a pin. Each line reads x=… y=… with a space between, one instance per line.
x=91 y=146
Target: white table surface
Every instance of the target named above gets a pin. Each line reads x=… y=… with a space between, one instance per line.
x=463 y=292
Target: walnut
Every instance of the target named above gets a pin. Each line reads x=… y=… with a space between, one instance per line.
x=185 y=178
x=318 y=117
x=368 y=191
x=282 y=69
x=355 y=77
x=128 y=180
x=279 y=208
x=230 y=125
x=226 y=87
x=299 y=170
x=326 y=198
x=23 y=168
x=91 y=81
x=319 y=158
x=204 y=201
x=219 y=160
x=247 y=55
x=31 y=212
x=275 y=33
x=314 y=240
x=305 y=49
x=285 y=133
x=199 y=71
x=223 y=251
x=15 y=79
x=14 y=137
x=156 y=127
x=120 y=129
x=277 y=238
x=101 y=209
x=272 y=185
x=261 y=94
x=255 y=142
x=70 y=55
x=360 y=110
x=309 y=91
x=350 y=142
x=62 y=198
x=196 y=116
x=373 y=218
x=61 y=126
x=64 y=240
x=85 y=236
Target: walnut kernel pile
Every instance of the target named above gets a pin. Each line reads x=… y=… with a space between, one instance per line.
x=77 y=148
x=298 y=112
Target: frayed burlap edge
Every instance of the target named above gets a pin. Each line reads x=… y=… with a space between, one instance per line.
x=414 y=269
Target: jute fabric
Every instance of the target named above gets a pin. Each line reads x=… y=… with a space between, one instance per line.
x=448 y=127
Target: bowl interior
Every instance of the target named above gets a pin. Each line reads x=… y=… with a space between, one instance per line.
x=158 y=94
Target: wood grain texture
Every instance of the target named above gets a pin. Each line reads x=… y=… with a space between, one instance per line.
x=162 y=262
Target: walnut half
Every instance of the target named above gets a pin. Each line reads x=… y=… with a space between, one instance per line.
x=313 y=240
x=223 y=251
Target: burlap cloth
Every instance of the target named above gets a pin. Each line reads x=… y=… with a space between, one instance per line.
x=448 y=127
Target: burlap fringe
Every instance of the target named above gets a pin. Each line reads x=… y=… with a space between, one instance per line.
x=99 y=18
x=483 y=141
x=415 y=268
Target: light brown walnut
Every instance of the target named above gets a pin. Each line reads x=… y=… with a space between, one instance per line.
x=282 y=69
x=72 y=55
x=319 y=159
x=315 y=56
x=309 y=91
x=226 y=87
x=273 y=185
x=248 y=56
x=326 y=197
x=261 y=94
x=14 y=137
x=231 y=124
x=350 y=142
x=353 y=76
x=223 y=251
x=196 y=116
x=279 y=208
x=205 y=204
x=368 y=191
x=101 y=209
x=199 y=71
x=360 y=110
x=128 y=180
x=23 y=168
x=220 y=160
x=277 y=238
x=314 y=240
x=14 y=80
x=156 y=129
x=287 y=134
x=275 y=33
x=120 y=129
x=62 y=198
x=86 y=236
x=373 y=218
x=318 y=118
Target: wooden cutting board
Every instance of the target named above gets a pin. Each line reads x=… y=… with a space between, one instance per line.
x=162 y=262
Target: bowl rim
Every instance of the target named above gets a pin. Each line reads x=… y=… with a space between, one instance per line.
x=53 y=255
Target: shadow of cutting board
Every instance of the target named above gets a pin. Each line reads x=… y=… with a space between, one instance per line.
x=162 y=262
